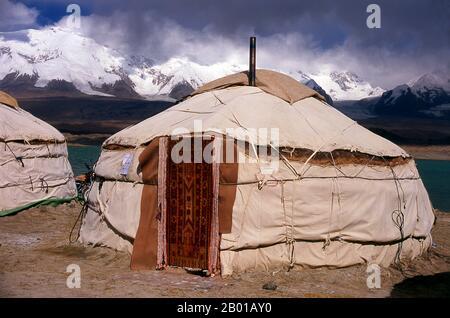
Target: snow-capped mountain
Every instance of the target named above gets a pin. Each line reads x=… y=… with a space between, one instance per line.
x=338 y=86
x=429 y=94
x=346 y=86
x=308 y=81
x=66 y=62
x=438 y=80
x=176 y=73
x=53 y=55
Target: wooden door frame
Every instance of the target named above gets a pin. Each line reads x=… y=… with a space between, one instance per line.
x=214 y=241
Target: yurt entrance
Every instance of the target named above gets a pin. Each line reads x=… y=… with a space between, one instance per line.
x=189 y=201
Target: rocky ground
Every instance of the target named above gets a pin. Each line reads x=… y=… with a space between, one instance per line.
x=35 y=252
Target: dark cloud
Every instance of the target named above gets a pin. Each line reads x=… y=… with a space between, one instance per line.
x=414 y=37
x=426 y=23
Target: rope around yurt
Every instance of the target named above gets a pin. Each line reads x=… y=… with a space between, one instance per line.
x=397 y=215
x=83 y=196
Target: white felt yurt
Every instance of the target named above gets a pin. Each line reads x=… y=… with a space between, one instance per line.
x=34 y=168
x=340 y=195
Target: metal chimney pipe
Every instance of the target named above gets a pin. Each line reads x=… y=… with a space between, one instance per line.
x=252 y=63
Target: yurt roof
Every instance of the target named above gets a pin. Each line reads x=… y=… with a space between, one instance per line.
x=19 y=125
x=306 y=123
x=8 y=100
x=274 y=83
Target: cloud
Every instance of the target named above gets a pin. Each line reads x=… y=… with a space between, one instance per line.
x=16 y=16
x=306 y=35
x=161 y=38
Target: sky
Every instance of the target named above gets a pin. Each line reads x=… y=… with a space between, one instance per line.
x=312 y=36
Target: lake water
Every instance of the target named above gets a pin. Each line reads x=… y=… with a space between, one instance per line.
x=435 y=173
x=436 y=177
x=80 y=156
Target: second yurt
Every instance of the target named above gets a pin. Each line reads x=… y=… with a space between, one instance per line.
x=34 y=166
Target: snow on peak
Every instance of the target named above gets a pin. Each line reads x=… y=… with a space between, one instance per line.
x=345 y=85
x=428 y=87
x=160 y=79
x=430 y=81
x=396 y=93
x=59 y=53
x=300 y=76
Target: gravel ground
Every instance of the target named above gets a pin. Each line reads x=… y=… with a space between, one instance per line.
x=35 y=253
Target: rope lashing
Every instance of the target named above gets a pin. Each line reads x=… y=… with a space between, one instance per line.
x=261 y=184
x=286 y=161
x=18 y=158
x=327 y=242
x=44 y=184
x=398 y=218
x=336 y=185
x=83 y=210
x=291 y=250
x=289 y=235
x=48 y=150
x=323 y=145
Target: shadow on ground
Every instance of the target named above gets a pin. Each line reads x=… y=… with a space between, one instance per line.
x=437 y=285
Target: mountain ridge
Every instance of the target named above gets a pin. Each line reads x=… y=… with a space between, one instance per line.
x=55 y=60
x=426 y=96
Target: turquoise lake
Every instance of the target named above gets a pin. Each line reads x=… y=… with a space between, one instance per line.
x=435 y=173
x=436 y=177
x=80 y=156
